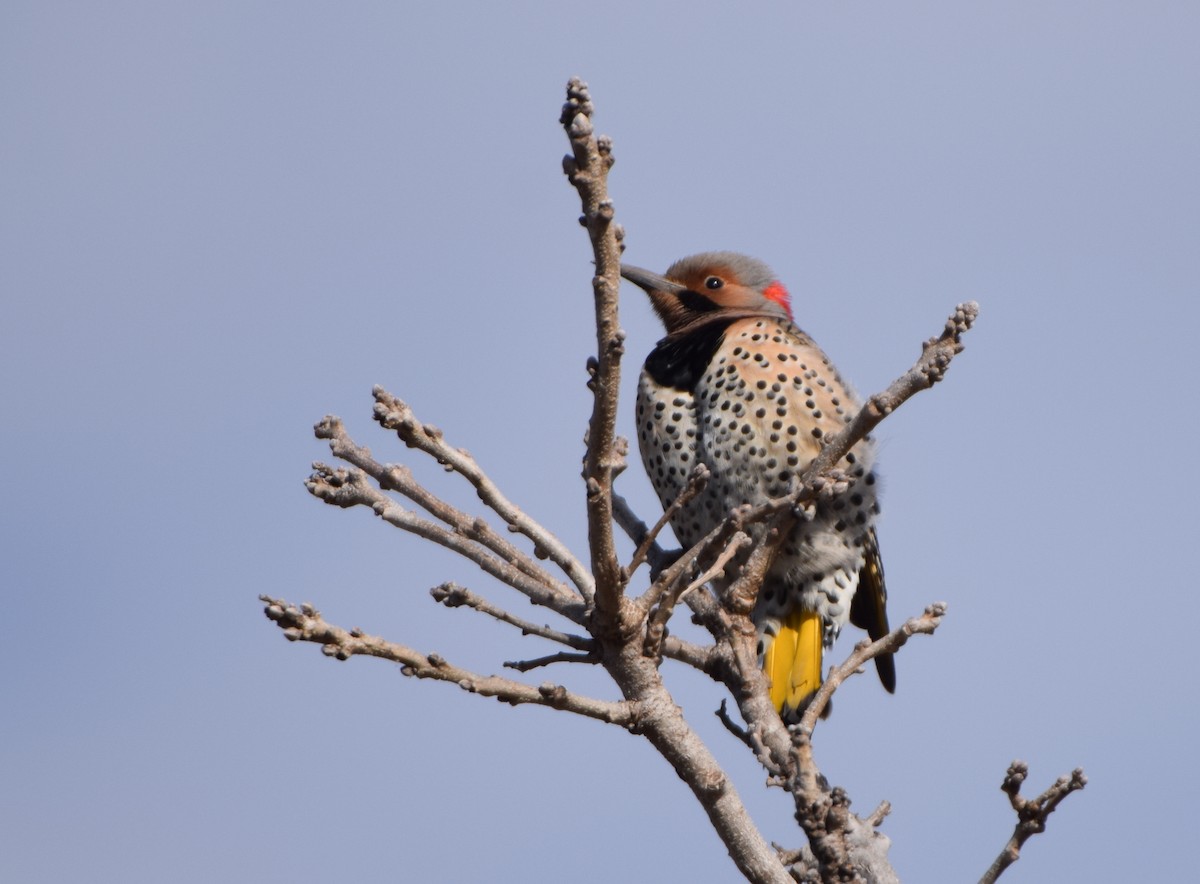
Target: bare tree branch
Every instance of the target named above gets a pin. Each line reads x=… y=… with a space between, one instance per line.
x=648 y=540
x=560 y=657
x=304 y=623
x=663 y=724
x=1032 y=813
x=732 y=726
x=866 y=651
x=347 y=488
x=454 y=596
x=876 y=817
x=637 y=530
x=656 y=625
x=931 y=367
x=696 y=656
x=394 y=477
x=394 y=414
x=587 y=169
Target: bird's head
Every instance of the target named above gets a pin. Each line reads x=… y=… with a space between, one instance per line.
x=705 y=285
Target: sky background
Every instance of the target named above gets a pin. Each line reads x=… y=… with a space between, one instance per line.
x=221 y=221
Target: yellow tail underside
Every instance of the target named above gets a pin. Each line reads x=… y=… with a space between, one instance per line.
x=793 y=661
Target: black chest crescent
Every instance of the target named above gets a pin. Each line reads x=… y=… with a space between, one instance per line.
x=678 y=363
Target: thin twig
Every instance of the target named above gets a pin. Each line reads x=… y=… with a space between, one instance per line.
x=696 y=483
x=636 y=530
x=348 y=488
x=304 y=623
x=863 y=653
x=931 y=367
x=395 y=477
x=732 y=726
x=876 y=817
x=1032 y=813
x=559 y=657
x=452 y=595
x=394 y=414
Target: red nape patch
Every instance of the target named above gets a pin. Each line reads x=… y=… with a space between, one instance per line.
x=777 y=293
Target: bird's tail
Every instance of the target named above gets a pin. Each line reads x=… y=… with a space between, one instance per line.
x=792 y=662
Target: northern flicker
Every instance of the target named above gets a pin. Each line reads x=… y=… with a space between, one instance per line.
x=736 y=386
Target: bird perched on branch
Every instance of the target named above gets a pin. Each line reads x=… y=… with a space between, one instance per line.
x=737 y=387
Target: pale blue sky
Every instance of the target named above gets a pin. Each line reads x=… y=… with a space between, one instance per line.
x=220 y=221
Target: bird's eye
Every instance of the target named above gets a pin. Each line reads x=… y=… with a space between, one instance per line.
x=713 y=282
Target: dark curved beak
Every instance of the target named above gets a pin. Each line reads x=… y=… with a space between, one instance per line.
x=650 y=282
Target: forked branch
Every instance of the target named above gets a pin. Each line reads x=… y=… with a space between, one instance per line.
x=465 y=535
x=394 y=414
x=931 y=367
x=866 y=651
x=1032 y=813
